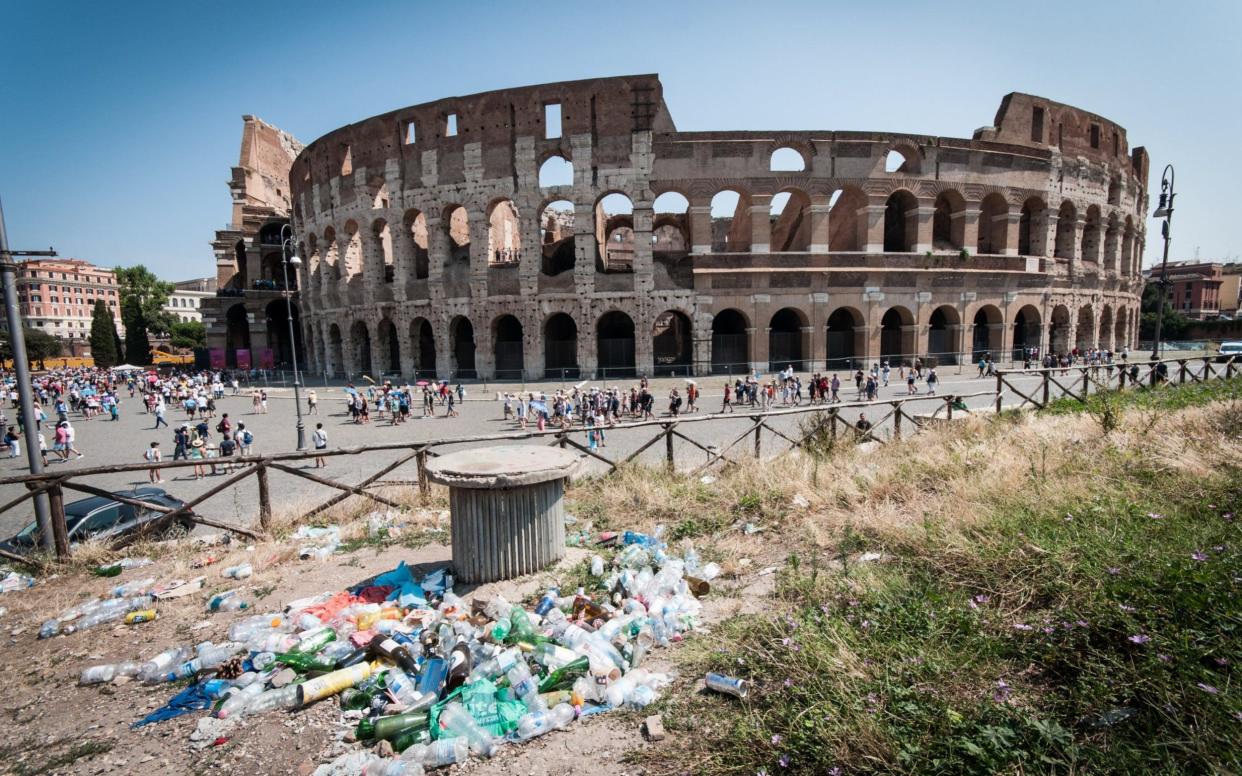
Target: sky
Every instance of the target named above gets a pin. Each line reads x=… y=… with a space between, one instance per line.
x=123 y=119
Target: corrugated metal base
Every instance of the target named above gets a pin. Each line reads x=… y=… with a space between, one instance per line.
x=506 y=532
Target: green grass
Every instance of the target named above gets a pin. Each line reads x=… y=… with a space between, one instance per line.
x=1162 y=397
x=1085 y=630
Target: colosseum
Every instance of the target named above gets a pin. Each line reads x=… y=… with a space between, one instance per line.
x=569 y=229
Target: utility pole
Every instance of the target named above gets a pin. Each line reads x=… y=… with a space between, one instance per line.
x=21 y=368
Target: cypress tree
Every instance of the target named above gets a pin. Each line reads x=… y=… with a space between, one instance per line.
x=103 y=336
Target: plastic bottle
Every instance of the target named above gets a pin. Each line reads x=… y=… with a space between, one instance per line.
x=499 y=632
x=495 y=666
x=140 y=616
x=154 y=669
x=387 y=766
x=241 y=571
x=244 y=630
x=228 y=601
x=525 y=686
x=548 y=601
x=554 y=656
x=98 y=674
x=207 y=658
x=455 y=719
x=446 y=751
x=240 y=699
x=49 y=629
x=283 y=698
x=402 y=686
x=137 y=587
x=522 y=630
x=564 y=677
x=597 y=566
x=537 y=723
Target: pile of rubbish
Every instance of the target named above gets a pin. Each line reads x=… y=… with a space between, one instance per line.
x=436 y=676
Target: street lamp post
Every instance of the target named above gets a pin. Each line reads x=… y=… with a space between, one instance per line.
x=290 y=257
x=21 y=373
x=1163 y=210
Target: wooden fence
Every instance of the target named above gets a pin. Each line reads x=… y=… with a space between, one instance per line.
x=1074 y=382
x=1078 y=382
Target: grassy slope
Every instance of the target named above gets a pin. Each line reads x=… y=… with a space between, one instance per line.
x=1053 y=598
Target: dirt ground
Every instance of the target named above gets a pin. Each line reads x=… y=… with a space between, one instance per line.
x=51 y=725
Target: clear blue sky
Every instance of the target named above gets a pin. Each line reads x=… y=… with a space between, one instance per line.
x=122 y=119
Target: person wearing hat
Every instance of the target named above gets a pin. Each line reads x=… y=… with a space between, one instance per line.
x=197 y=454
x=181 y=442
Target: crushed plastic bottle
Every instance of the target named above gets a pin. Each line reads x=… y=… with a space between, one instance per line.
x=241 y=571
x=536 y=723
x=455 y=719
x=446 y=751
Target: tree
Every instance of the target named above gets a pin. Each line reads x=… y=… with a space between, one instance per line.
x=1172 y=325
x=103 y=336
x=40 y=346
x=143 y=297
x=188 y=334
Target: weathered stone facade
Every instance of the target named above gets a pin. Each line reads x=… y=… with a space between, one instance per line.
x=431 y=250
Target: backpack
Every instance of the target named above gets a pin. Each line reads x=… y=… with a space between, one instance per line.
x=247 y=438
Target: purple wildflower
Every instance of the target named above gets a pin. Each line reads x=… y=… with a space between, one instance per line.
x=1140 y=638
x=1081 y=623
x=1199 y=555
x=1207 y=688
x=788 y=682
x=1164 y=658
x=1155 y=515
x=1113 y=570
x=1022 y=626
x=982 y=599
x=1002 y=692
x=1049 y=630
x=784 y=761
x=776 y=739
x=834 y=771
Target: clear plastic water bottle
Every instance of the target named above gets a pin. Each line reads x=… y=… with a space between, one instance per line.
x=537 y=723
x=525 y=686
x=283 y=698
x=597 y=566
x=241 y=571
x=154 y=669
x=385 y=766
x=98 y=674
x=239 y=699
x=137 y=587
x=446 y=751
x=455 y=719
x=495 y=666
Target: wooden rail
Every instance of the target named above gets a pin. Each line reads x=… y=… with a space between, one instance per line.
x=1074 y=381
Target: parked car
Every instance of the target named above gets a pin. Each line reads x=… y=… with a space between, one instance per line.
x=104 y=519
x=1229 y=350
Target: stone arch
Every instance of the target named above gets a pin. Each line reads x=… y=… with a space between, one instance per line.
x=556 y=171
x=846 y=231
x=897 y=342
x=360 y=347
x=1033 y=211
x=614 y=232
x=1085 y=329
x=1059 y=330
x=560 y=346
x=507 y=347
x=903 y=158
x=556 y=237
x=423 y=342
x=331 y=258
x=1127 y=248
x=1026 y=331
x=351 y=262
x=239 y=260
x=381 y=237
x=277 y=315
x=1112 y=239
x=730 y=342
x=416 y=229
x=944 y=327
x=1122 y=331
x=237 y=332
x=993 y=224
x=987 y=332
x=730 y=220
x=461 y=348
x=786 y=339
x=949 y=221
x=787 y=159
x=456 y=224
x=504 y=234
x=900 y=222
x=336 y=349
x=1067 y=217
x=670 y=227
x=614 y=342
x=1091 y=234
x=790 y=217
x=1105 y=339
x=389 y=346
x=672 y=343
x=846 y=341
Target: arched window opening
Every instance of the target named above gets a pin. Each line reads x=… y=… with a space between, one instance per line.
x=897 y=336
x=614 y=233
x=1091 y=235
x=504 y=238
x=615 y=345
x=1058 y=331
x=672 y=344
x=507 y=341
x=948 y=222
x=416 y=228
x=790 y=218
x=382 y=237
x=1032 y=214
x=895 y=161
x=1105 y=339
x=1112 y=239
x=277 y=321
x=556 y=171
x=993 y=224
x=942 y=336
x=360 y=342
x=336 y=350
x=1086 y=329
x=1026 y=325
x=900 y=222
x=730 y=343
x=556 y=237
x=1067 y=217
x=731 y=228
x=986 y=335
x=670 y=233
x=846 y=230
x=461 y=335
x=785 y=337
x=424 y=342
x=237 y=334
x=458 y=226
x=560 y=347
x=351 y=263
x=846 y=339
x=389 y=347
x=787 y=160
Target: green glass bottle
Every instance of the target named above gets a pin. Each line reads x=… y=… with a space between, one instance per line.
x=314 y=641
x=563 y=677
x=392 y=726
x=303 y=663
x=410 y=738
x=353 y=699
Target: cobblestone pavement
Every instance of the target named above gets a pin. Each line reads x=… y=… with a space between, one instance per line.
x=105 y=442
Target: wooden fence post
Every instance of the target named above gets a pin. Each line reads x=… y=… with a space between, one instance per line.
x=897 y=405
x=758 y=430
x=668 y=445
x=60 y=534
x=423 y=488
x=265 y=498
x=1047 y=388
x=1121 y=383
x=1000 y=387
x=1181 y=371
